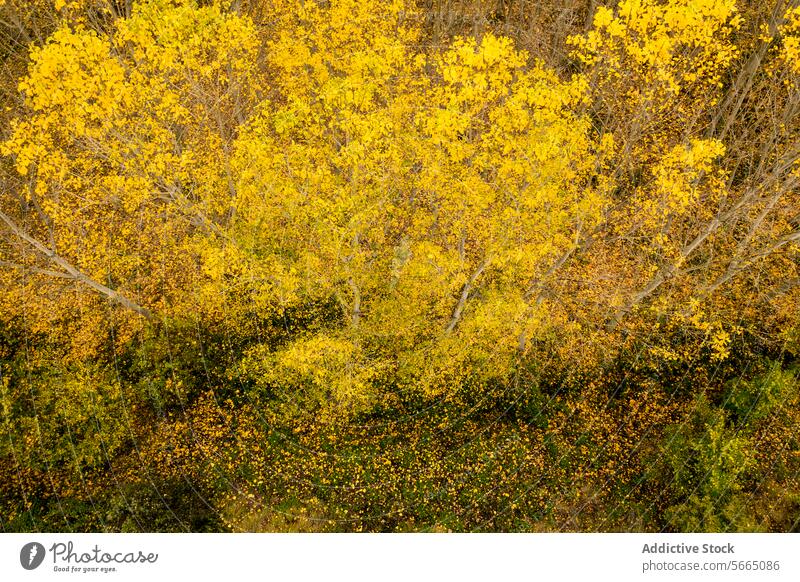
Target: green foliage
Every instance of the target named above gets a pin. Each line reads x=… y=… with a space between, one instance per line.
x=313 y=266
x=708 y=463
x=171 y=506
x=750 y=402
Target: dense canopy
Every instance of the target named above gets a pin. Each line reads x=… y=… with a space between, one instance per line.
x=389 y=265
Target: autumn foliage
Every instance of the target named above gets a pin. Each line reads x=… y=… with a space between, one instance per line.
x=286 y=265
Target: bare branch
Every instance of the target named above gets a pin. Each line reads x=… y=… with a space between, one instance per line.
x=465 y=292
x=71 y=271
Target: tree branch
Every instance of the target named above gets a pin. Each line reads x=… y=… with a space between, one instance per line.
x=462 y=301
x=71 y=271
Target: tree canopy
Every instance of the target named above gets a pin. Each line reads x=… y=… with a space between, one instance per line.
x=395 y=265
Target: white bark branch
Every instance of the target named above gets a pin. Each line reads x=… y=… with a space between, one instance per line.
x=71 y=271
